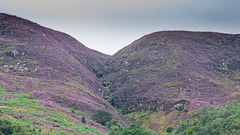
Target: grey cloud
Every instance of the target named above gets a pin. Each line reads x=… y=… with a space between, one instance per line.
x=93 y=21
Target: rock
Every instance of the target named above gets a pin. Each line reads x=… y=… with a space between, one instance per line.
x=13 y=53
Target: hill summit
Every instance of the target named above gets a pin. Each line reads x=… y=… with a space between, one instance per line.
x=162 y=70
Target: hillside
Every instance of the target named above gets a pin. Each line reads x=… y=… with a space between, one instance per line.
x=48 y=80
x=152 y=76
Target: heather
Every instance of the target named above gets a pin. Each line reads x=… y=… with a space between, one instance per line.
x=48 y=80
x=198 y=67
x=46 y=106
x=152 y=77
x=52 y=84
x=31 y=115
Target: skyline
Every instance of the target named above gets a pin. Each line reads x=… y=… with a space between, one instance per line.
x=108 y=26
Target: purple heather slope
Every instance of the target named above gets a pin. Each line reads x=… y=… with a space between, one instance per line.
x=52 y=67
x=47 y=53
x=155 y=72
x=165 y=68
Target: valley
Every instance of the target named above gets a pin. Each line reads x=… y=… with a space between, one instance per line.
x=49 y=80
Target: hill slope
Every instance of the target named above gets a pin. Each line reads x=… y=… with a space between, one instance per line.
x=48 y=79
x=156 y=73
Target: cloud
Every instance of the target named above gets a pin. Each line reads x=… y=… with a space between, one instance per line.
x=94 y=21
x=114 y=12
x=84 y=9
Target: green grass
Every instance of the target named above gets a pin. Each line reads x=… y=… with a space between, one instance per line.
x=235 y=94
x=80 y=85
x=36 y=113
x=56 y=133
x=22 y=95
x=34 y=109
x=78 y=128
x=3 y=92
x=17 y=84
x=139 y=117
x=78 y=111
x=159 y=89
x=86 y=129
x=33 y=79
x=4 y=109
x=58 y=121
x=21 y=102
x=3 y=83
x=171 y=84
x=69 y=59
x=28 y=121
x=55 y=114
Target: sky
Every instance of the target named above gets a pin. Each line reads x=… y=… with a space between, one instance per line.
x=109 y=25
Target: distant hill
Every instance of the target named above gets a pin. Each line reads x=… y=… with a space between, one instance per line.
x=49 y=78
x=159 y=71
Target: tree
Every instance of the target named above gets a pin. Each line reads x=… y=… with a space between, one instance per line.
x=180 y=107
x=135 y=130
x=102 y=117
x=112 y=101
x=214 y=121
x=169 y=129
x=83 y=119
x=114 y=127
x=7 y=128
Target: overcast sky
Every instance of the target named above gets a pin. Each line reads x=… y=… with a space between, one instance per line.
x=109 y=25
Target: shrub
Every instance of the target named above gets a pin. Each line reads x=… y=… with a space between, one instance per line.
x=83 y=119
x=180 y=107
x=214 y=121
x=102 y=117
x=169 y=129
x=6 y=127
x=112 y=102
x=192 y=130
x=115 y=128
x=135 y=130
